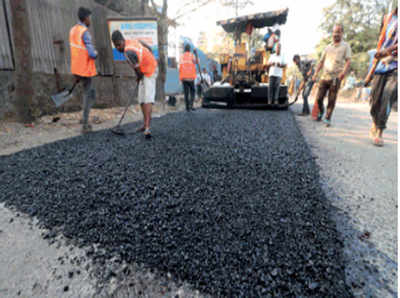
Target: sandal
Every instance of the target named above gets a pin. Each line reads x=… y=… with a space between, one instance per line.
x=147 y=133
x=378 y=142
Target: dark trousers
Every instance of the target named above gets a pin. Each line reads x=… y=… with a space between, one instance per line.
x=199 y=91
x=273 y=89
x=89 y=98
x=306 y=92
x=331 y=87
x=188 y=91
x=383 y=95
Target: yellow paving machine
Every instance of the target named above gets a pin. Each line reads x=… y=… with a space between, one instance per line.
x=244 y=77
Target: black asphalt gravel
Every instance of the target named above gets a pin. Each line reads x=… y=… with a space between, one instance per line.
x=228 y=201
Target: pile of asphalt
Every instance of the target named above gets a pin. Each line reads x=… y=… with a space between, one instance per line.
x=228 y=201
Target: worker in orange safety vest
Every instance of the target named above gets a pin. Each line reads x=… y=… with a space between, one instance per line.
x=139 y=55
x=83 y=55
x=187 y=75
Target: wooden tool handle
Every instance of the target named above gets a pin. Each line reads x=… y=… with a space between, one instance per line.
x=371 y=72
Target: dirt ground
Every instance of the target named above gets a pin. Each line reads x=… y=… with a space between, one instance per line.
x=352 y=170
x=15 y=136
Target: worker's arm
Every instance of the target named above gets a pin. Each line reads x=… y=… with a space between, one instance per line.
x=282 y=64
x=87 y=40
x=195 y=60
x=347 y=65
x=271 y=62
x=392 y=50
x=345 y=70
x=133 y=61
x=319 y=67
x=302 y=84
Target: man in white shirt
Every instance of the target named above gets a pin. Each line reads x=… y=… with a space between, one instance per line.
x=276 y=64
x=206 y=81
x=206 y=77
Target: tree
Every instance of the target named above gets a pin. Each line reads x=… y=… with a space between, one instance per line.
x=162 y=30
x=361 y=20
x=237 y=4
x=23 y=69
x=162 y=33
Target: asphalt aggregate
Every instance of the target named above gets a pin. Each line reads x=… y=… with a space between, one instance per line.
x=229 y=201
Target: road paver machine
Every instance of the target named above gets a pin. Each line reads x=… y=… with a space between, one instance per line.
x=244 y=78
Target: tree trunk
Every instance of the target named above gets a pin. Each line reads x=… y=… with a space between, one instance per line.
x=23 y=60
x=162 y=32
x=163 y=54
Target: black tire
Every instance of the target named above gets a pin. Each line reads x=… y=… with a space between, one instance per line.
x=231 y=102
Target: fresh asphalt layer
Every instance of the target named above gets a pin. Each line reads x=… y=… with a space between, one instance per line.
x=228 y=201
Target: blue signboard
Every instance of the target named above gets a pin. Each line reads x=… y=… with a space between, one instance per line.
x=142 y=29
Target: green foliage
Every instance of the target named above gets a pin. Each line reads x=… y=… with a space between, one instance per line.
x=361 y=20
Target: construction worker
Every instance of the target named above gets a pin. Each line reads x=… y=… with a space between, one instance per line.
x=187 y=75
x=384 y=84
x=276 y=63
x=335 y=63
x=139 y=55
x=83 y=55
x=307 y=70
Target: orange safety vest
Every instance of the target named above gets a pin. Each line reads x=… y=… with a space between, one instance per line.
x=147 y=62
x=187 y=69
x=81 y=63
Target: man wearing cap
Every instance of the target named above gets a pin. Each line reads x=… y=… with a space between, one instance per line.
x=83 y=55
x=139 y=55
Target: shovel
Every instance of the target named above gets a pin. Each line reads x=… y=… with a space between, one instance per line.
x=64 y=95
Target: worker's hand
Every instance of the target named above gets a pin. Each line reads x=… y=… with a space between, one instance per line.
x=309 y=73
x=381 y=54
x=341 y=76
x=314 y=78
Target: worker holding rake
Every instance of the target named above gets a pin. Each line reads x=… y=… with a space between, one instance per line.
x=140 y=57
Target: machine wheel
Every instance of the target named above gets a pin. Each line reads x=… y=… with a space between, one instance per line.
x=231 y=102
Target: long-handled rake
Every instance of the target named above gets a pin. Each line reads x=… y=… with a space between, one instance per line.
x=117 y=129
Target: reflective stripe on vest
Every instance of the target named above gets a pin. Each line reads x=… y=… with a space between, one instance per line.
x=147 y=62
x=187 y=69
x=81 y=63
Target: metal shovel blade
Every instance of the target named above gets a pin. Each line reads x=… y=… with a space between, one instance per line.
x=61 y=97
